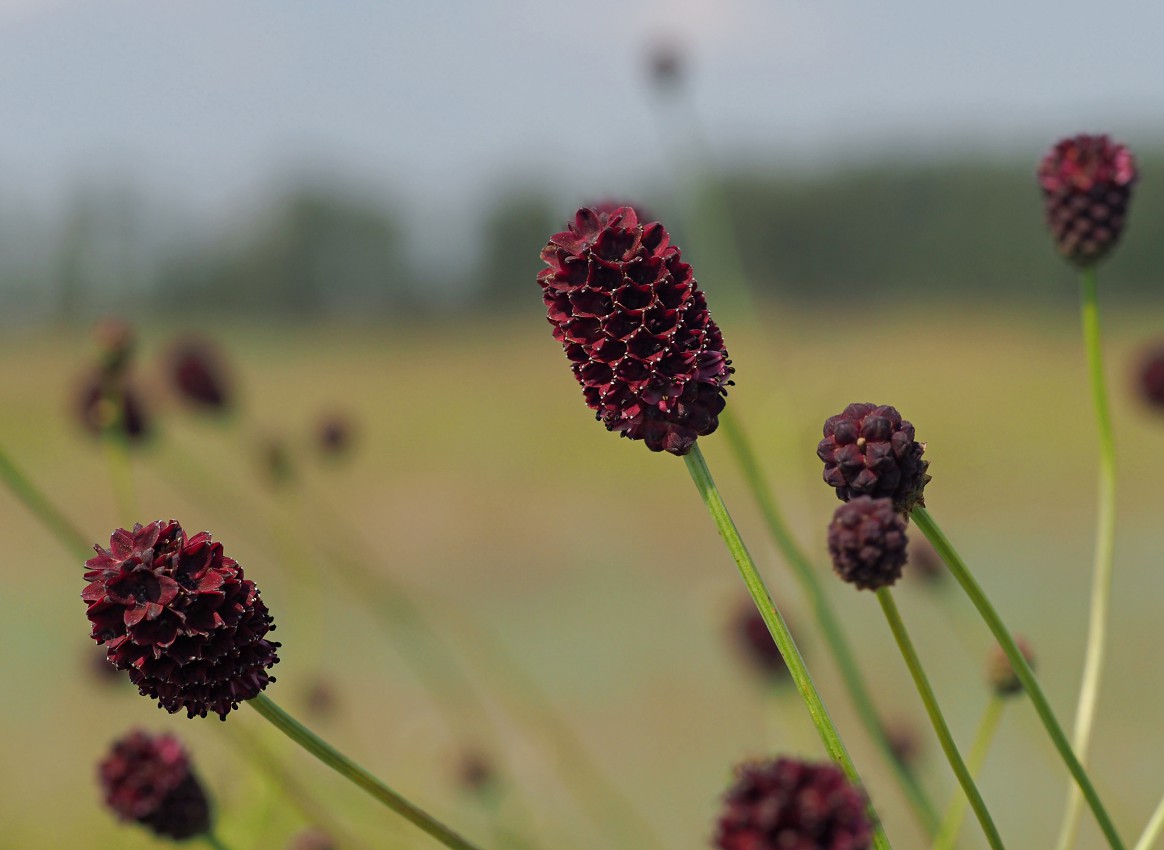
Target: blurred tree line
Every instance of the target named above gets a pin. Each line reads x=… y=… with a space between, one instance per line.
x=962 y=229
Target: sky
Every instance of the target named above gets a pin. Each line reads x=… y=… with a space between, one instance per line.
x=209 y=103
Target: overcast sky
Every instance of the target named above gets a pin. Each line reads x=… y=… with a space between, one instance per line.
x=207 y=101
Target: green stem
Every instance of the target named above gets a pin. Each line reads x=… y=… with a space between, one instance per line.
x=1022 y=669
x=926 y=692
x=1153 y=829
x=115 y=443
x=44 y=510
x=342 y=765
x=956 y=811
x=1104 y=544
x=214 y=841
x=701 y=475
x=827 y=620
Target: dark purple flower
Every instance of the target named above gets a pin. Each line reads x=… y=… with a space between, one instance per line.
x=788 y=804
x=107 y=403
x=181 y=618
x=867 y=542
x=636 y=329
x=147 y=778
x=869 y=450
x=475 y=771
x=1087 y=184
x=1000 y=674
x=196 y=369
x=1151 y=378
x=334 y=435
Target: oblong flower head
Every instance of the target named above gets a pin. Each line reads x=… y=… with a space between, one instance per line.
x=181 y=618
x=147 y=778
x=636 y=330
x=1087 y=184
x=869 y=450
x=788 y=804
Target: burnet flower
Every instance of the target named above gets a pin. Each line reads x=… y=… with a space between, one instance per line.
x=1087 y=184
x=181 y=618
x=199 y=375
x=636 y=329
x=867 y=542
x=869 y=450
x=147 y=778
x=787 y=804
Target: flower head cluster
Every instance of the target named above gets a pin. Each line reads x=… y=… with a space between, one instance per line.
x=867 y=542
x=147 y=778
x=197 y=372
x=869 y=450
x=636 y=329
x=1087 y=185
x=181 y=618
x=793 y=805
x=104 y=403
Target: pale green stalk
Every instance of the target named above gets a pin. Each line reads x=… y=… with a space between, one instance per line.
x=1152 y=831
x=956 y=811
x=1022 y=669
x=357 y=775
x=1104 y=545
x=830 y=737
x=827 y=619
x=930 y=700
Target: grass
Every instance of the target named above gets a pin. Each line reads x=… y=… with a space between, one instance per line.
x=480 y=477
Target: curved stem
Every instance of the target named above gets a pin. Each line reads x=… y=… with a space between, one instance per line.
x=342 y=765
x=1104 y=544
x=43 y=509
x=956 y=811
x=1152 y=830
x=926 y=692
x=701 y=475
x=828 y=621
x=1022 y=669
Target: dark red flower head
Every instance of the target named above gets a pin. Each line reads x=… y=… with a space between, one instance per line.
x=1151 y=378
x=636 y=329
x=106 y=403
x=1000 y=674
x=1087 y=184
x=181 y=618
x=869 y=450
x=147 y=778
x=793 y=805
x=475 y=771
x=755 y=642
x=197 y=372
x=867 y=542
x=334 y=435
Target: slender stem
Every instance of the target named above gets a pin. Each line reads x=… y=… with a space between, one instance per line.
x=1153 y=829
x=956 y=811
x=43 y=509
x=115 y=443
x=827 y=620
x=212 y=840
x=1104 y=544
x=701 y=475
x=342 y=765
x=922 y=682
x=1022 y=669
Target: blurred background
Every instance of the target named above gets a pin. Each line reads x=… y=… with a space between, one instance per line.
x=348 y=201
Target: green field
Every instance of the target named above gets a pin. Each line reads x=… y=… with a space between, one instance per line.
x=481 y=482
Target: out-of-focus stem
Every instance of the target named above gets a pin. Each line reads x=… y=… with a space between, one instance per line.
x=826 y=618
x=1022 y=669
x=1104 y=545
x=43 y=509
x=956 y=811
x=830 y=737
x=1153 y=829
x=357 y=775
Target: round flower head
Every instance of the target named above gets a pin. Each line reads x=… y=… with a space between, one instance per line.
x=867 y=542
x=755 y=642
x=636 y=329
x=198 y=374
x=147 y=778
x=334 y=434
x=98 y=409
x=181 y=618
x=1151 y=378
x=1000 y=675
x=1087 y=184
x=869 y=450
x=792 y=805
